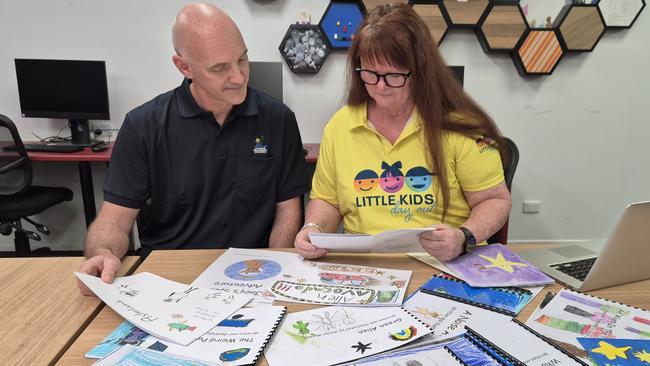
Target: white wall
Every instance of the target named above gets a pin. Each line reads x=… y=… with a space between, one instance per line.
x=582 y=131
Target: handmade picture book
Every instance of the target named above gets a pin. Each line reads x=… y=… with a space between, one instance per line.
x=169 y=310
x=509 y=300
x=495 y=265
x=617 y=351
x=249 y=272
x=447 y=318
x=274 y=275
x=570 y=315
x=390 y=241
x=427 y=353
x=519 y=345
x=131 y=356
x=332 y=335
x=238 y=340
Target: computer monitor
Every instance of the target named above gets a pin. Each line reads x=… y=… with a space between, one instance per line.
x=266 y=77
x=72 y=89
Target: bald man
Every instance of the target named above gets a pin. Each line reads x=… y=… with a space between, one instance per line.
x=210 y=164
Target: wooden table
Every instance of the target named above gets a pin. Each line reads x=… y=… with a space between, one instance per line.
x=184 y=266
x=41 y=309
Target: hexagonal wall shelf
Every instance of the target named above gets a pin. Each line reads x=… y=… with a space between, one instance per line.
x=620 y=13
x=434 y=17
x=538 y=52
x=501 y=27
x=371 y=4
x=340 y=21
x=304 y=48
x=580 y=27
x=465 y=13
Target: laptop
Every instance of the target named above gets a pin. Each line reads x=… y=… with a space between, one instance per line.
x=591 y=265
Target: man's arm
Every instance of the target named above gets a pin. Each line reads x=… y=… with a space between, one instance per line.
x=288 y=217
x=106 y=242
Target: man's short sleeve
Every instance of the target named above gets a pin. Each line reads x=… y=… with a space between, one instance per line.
x=477 y=162
x=293 y=178
x=324 y=182
x=127 y=183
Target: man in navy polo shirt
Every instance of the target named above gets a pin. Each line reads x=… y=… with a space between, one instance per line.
x=210 y=164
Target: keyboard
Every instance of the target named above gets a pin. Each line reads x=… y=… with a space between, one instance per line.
x=47 y=148
x=576 y=269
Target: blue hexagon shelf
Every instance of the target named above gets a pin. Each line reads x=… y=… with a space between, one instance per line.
x=340 y=21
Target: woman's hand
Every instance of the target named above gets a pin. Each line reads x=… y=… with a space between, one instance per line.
x=305 y=247
x=444 y=242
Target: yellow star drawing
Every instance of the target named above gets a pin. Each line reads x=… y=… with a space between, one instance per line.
x=643 y=356
x=501 y=262
x=610 y=351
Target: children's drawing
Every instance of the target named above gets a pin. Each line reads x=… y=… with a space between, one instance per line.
x=329 y=294
x=404 y=334
x=130 y=355
x=168 y=310
x=178 y=296
x=303 y=331
x=234 y=354
x=236 y=321
x=127 y=291
x=361 y=347
x=180 y=326
x=495 y=266
x=426 y=313
x=342 y=279
x=619 y=351
x=329 y=321
x=253 y=270
x=500 y=262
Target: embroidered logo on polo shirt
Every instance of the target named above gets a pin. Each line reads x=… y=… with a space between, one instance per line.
x=260 y=147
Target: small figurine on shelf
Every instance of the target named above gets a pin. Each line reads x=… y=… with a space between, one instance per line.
x=549 y=23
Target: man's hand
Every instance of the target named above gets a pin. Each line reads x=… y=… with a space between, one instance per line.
x=444 y=243
x=104 y=265
x=304 y=245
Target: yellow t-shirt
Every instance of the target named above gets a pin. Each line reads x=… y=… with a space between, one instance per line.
x=379 y=186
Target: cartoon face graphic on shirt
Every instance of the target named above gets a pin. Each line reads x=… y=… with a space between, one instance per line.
x=392 y=178
x=366 y=181
x=418 y=179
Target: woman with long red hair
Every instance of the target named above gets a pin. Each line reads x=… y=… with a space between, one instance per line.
x=409 y=149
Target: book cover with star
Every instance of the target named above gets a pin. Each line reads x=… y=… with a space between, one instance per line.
x=623 y=352
x=571 y=315
x=495 y=265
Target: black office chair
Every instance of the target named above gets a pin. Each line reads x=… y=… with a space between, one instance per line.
x=509 y=169
x=18 y=198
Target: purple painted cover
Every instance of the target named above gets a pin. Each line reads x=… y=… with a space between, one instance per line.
x=495 y=265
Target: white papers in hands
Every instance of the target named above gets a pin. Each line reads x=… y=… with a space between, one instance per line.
x=391 y=241
x=169 y=310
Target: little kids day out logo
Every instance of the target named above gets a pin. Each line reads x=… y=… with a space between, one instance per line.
x=392 y=180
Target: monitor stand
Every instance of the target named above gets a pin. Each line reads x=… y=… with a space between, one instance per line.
x=80 y=132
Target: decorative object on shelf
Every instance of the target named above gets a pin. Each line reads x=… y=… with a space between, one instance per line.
x=541 y=14
x=580 y=26
x=465 y=13
x=304 y=48
x=620 y=13
x=434 y=16
x=526 y=29
x=340 y=21
x=538 y=53
x=501 y=27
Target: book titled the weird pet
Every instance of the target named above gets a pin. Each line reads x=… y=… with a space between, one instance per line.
x=169 y=310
